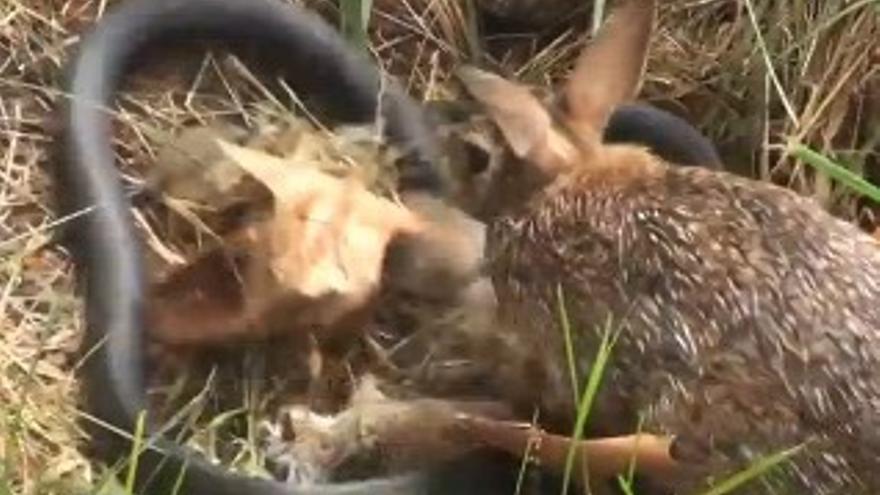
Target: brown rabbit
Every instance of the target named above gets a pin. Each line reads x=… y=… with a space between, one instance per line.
x=748 y=317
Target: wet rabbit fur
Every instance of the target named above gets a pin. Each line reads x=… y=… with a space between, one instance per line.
x=746 y=316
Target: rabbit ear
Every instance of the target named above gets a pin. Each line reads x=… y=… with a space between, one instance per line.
x=525 y=123
x=610 y=69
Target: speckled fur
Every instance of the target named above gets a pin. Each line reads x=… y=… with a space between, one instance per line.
x=749 y=317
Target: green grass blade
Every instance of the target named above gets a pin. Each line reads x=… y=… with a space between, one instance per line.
x=754 y=471
x=567 y=338
x=355 y=21
x=625 y=486
x=597 y=371
x=523 y=467
x=109 y=484
x=5 y=486
x=178 y=483
x=631 y=470
x=524 y=463
x=136 y=446
x=836 y=171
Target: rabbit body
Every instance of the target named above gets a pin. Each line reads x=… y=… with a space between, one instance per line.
x=747 y=316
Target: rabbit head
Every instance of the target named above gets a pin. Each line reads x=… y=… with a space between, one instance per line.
x=607 y=74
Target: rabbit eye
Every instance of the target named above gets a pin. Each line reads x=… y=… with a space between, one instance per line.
x=477 y=158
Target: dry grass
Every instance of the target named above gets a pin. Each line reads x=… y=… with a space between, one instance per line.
x=38 y=312
x=709 y=64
